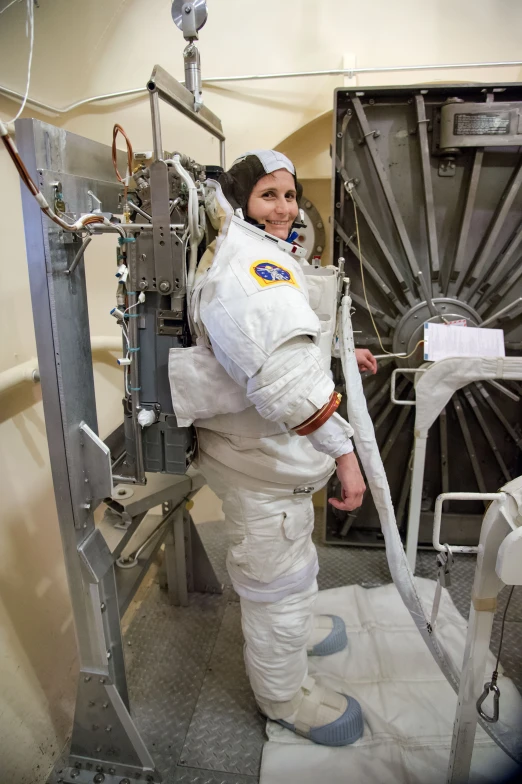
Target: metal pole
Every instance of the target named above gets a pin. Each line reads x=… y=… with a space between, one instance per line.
x=222 y=159
x=139 y=466
x=156 y=126
x=8 y=93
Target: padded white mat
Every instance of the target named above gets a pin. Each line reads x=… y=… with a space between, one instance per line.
x=407 y=703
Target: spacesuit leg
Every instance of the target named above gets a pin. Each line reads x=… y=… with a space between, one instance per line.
x=272 y=562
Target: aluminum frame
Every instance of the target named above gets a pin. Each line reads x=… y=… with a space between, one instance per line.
x=105 y=743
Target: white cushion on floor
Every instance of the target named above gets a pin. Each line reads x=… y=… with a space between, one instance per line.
x=407 y=703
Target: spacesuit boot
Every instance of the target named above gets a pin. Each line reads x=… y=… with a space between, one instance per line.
x=320 y=714
x=328 y=636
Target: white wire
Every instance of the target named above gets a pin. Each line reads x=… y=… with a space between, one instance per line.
x=29 y=24
x=9 y=5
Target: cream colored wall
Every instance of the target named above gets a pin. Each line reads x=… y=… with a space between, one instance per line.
x=84 y=49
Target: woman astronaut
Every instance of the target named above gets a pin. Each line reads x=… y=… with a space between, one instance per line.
x=258 y=387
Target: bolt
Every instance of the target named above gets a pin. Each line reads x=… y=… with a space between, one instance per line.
x=74 y=774
x=109 y=654
x=112 y=771
x=60 y=780
x=142 y=284
x=102 y=680
x=103 y=606
x=98 y=749
x=105 y=705
x=187 y=9
x=77 y=764
x=108 y=728
x=99 y=768
x=99 y=778
x=340 y=135
x=87 y=679
x=164 y=285
x=308 y=205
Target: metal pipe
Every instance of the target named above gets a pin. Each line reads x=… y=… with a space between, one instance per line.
x=81 y=250
x=29 y=372
x=503 y=312
x=8 y=93
x=132 y=296
x=141 y=212
x=437 y=516
x=222 y=157
x=351 y=72
x=429 y=204
x=368 y=135
x=156 y=125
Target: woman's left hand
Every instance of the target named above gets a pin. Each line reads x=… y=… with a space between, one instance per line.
x=365 y=360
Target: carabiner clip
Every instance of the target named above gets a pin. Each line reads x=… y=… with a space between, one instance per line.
x=496 y=692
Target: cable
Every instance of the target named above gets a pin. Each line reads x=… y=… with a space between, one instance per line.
x=125 y=180
x=502 y=629
x=9 y=6
x=28 y=25
x=389 y=353
x=77 y=226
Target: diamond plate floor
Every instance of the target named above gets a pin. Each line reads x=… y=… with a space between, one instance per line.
x=188 y=686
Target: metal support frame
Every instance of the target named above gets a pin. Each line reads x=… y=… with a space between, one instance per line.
x=496 y=535
x=104 y=740
x=421 y=438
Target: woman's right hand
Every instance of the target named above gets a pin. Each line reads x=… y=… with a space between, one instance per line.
x=352 y=483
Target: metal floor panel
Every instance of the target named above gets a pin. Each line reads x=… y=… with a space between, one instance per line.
x=189 y=690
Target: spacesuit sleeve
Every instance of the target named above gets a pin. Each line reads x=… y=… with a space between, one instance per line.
x=291 y=386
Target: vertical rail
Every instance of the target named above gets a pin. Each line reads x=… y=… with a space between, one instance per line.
x=502 y=290
x=369 y=138
x=156 y=126
x=222 y=156
x=457 y=274
x=370 y=269
x=139 y=466
x=469 y=443
x=500 y=416
x=361 y=206
x=492 y=280
x=429 y=205
x=487 y=432
x=506 y=202
x=396 y=429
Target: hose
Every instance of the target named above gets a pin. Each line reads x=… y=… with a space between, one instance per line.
x=195 y=232
x=368 y=452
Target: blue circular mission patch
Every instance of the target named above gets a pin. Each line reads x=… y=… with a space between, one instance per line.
x=271 y=272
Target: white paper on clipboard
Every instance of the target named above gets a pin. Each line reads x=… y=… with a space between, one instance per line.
x=442 y=341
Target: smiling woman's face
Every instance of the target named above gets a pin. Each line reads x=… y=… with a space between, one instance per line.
x=273 y=202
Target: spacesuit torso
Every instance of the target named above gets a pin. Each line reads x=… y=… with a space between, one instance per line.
x=249 y=299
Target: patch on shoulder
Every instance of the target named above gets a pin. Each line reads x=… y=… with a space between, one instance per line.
x=267 y=273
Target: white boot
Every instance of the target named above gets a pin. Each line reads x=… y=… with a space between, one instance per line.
x=319 y=714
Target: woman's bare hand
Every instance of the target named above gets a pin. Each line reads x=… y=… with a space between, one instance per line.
x=365 y=360
x=352 y=483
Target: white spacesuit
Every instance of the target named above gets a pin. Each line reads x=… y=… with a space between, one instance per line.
x=263 y=321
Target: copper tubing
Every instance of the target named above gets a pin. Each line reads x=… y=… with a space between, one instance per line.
x=29 y=182
x=115 y=131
